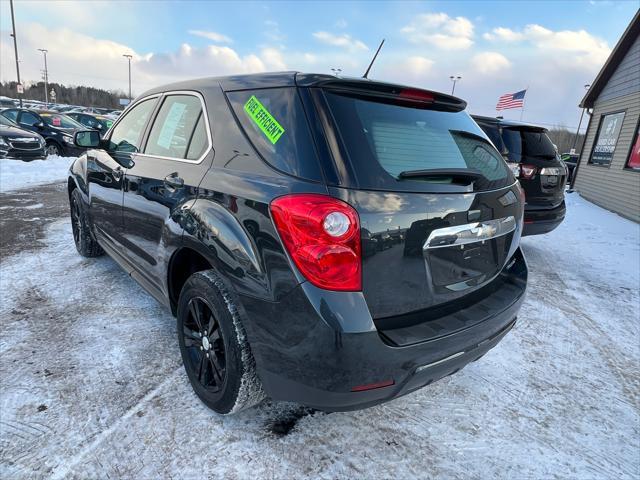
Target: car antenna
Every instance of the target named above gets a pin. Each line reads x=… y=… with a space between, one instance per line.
x=374 y=59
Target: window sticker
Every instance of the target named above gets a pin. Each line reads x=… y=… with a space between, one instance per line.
x=171 y=124
x=56 y=121
x=263 y=119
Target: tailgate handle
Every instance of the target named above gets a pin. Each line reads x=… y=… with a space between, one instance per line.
x=470 y=233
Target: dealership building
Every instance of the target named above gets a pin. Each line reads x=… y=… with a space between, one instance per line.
x=608 y=172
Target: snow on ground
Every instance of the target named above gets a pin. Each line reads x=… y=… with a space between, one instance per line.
x=93 y=387
x=15 y=174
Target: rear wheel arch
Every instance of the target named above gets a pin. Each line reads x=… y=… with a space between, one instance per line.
x=183 y=263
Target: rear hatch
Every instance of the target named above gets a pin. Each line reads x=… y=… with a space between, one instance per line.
x=440 y=211
x=542 y=174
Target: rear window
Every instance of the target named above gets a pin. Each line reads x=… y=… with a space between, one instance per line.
x=275 y=122
x=528 y=143
x=384 y=140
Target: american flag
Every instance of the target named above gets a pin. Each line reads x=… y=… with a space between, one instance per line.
x=511 y=100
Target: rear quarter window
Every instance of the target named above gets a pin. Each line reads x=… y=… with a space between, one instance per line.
x=277 y=127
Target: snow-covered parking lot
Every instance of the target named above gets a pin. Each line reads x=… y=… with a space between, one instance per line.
x=92 y=386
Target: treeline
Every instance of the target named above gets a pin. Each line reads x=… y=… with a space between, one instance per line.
x=71 y=95
x=564 y=138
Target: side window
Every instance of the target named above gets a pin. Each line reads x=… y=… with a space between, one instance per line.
x=127 y=134
x=199 y=141
x=28 y=118
x=173 y=129
x=275 y=122
x=11 y=114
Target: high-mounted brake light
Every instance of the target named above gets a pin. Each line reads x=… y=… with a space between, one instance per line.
x=322 y=236
x=415 y=94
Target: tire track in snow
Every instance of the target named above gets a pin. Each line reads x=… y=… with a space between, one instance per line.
x=63 y=470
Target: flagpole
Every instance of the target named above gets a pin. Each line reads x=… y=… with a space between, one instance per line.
x=524 y=102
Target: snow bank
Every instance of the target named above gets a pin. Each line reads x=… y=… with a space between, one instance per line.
x=15 y=174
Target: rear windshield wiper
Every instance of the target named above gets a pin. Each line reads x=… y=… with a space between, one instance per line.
x=457 y=175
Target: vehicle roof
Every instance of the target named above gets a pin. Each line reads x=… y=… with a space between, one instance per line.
x=269 y=80
x=506 y=123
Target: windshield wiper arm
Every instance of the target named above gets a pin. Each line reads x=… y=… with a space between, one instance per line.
x=456 y=174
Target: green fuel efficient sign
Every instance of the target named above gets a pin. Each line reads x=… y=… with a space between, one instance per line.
x=263 y=119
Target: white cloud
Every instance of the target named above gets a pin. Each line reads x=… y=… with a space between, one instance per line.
x=340 y=40
x=440 y=30
x=213 y=36
x=272 y=32
x=584 y=49
x=504 y=35
x=490 y=63
x=73 y=60
x=418 y=66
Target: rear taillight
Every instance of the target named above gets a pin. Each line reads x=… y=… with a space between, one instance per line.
x=322 y=236
x=527 y=171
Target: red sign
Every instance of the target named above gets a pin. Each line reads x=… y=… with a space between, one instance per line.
x=634 y=158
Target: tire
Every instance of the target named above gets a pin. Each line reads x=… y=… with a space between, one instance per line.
x=53 y=149
x=85 y=243
x=226 y=380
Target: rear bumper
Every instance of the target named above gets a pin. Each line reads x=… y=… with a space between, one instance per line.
x=537 y=222
x=315 y=347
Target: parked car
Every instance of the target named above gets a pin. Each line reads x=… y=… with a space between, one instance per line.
x=95 y=122
x=6 y=102
x=571 y=161
x=533 y=157
x=19 y=144
x=258 y=249
x=56 y=128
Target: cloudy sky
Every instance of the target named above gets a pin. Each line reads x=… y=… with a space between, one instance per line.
x=551 y=47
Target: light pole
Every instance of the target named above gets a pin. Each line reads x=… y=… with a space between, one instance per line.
x=129 y=58
x=336 y=71
x=454 y=79
x=15 y=48
x=46 y=77
x=575 y=140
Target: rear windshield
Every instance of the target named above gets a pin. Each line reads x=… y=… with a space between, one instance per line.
x=528 y=143
x=384 y=142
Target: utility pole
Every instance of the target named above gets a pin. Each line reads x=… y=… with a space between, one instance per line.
x=46 y=77
x=454 y=79
x=336 y=71
x=129 y=58
x=15 y=48
x=575 y=140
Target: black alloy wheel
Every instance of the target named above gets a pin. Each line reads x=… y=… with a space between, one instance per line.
x=205 y=345
x=214 y=347
x=86 y=245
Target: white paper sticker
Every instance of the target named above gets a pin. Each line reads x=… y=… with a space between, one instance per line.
x=171 y=124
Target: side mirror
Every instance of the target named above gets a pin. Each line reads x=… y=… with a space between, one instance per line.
x=86 y=139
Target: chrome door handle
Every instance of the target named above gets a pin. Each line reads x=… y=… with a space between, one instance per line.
x=117 y=173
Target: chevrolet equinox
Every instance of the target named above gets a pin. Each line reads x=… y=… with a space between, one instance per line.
x=328 y=241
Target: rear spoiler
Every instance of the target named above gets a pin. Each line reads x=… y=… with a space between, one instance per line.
x=387 y=93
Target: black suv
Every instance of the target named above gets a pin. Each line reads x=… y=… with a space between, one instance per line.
x=534 y=159
x=248 y=204
x=19 y=144
x=56 y=128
